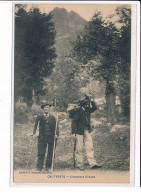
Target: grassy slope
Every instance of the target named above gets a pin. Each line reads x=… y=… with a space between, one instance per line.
x=111 y=149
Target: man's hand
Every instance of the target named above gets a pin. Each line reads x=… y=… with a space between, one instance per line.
x=56 y=136
x=74 y=136
x=89 y=97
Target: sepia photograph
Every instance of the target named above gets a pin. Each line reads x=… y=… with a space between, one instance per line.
x=72 y=93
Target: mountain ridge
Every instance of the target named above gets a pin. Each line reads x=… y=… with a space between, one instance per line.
x=67 y=25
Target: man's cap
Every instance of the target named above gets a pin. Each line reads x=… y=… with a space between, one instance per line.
x=45 y=104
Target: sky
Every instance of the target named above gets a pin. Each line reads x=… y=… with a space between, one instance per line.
x=84 y=10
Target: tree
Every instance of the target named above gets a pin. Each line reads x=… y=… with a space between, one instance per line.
x=34 y=52
x=96 y=47
x=124 y=54
x=63 y=85
x=105 y=48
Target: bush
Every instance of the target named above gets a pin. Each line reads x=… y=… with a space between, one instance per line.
x=36 y=109
x=34 y=112
x=21 y=112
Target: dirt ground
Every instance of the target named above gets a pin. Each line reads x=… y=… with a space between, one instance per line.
x=112 y=150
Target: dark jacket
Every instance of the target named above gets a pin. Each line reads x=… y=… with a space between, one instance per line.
x=46 y=127
x=81 y=119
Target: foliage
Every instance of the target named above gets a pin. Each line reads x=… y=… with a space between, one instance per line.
x=23 y=115
x=34 y=112
x=97 y=45
x=34 y=52
x=21 y=112
x=63 y=85
x=104 y=49
x=124 y=53
x=36 y=109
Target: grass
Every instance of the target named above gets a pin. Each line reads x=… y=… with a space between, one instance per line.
x=112 y=150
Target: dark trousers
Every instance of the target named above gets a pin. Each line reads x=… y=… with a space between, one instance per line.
x=43 y=143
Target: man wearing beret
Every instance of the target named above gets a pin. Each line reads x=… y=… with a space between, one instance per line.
x=46 y=138
x=82 y=130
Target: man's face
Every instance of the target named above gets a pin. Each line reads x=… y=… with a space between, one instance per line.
x=87 y=105
x=46 y=109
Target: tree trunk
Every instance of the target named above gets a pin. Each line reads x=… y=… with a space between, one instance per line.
x=110 y=104
x=125 y=98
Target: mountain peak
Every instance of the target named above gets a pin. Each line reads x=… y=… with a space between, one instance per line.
x=57 y=9
x=67 y=25
x=73 y=12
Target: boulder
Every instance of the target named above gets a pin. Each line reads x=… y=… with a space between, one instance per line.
x=62 y=115
x=65 y=157
x=60 y=126
x=16 y=159
x=119 y=128
x=63 y=121
x=103 y=119
x=100 y=101
x=98 y=123
x=68 y=125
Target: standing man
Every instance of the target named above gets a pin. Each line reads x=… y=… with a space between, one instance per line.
x=46 y=138
x=82 y=130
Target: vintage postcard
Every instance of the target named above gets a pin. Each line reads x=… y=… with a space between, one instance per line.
x=73 y=91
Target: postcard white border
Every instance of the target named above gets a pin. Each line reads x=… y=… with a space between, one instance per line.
x=135 y=8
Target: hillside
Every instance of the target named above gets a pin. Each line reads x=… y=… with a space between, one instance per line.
x=67 y=25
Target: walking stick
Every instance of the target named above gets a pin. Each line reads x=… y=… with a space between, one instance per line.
x=32 y=145
x=30 y=152
x=74 y=152
x=54 y=146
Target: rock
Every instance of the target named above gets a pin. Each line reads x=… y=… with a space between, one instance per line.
x=63 y=121
x=62 y=114
x=119 y=128
x=68 y=125
x=60 y=126
x=16 y=159
x=97 y=123
x=65 y=157
x=117 y=101
x=101 y=108
x=103 y=119
x=100 y=101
